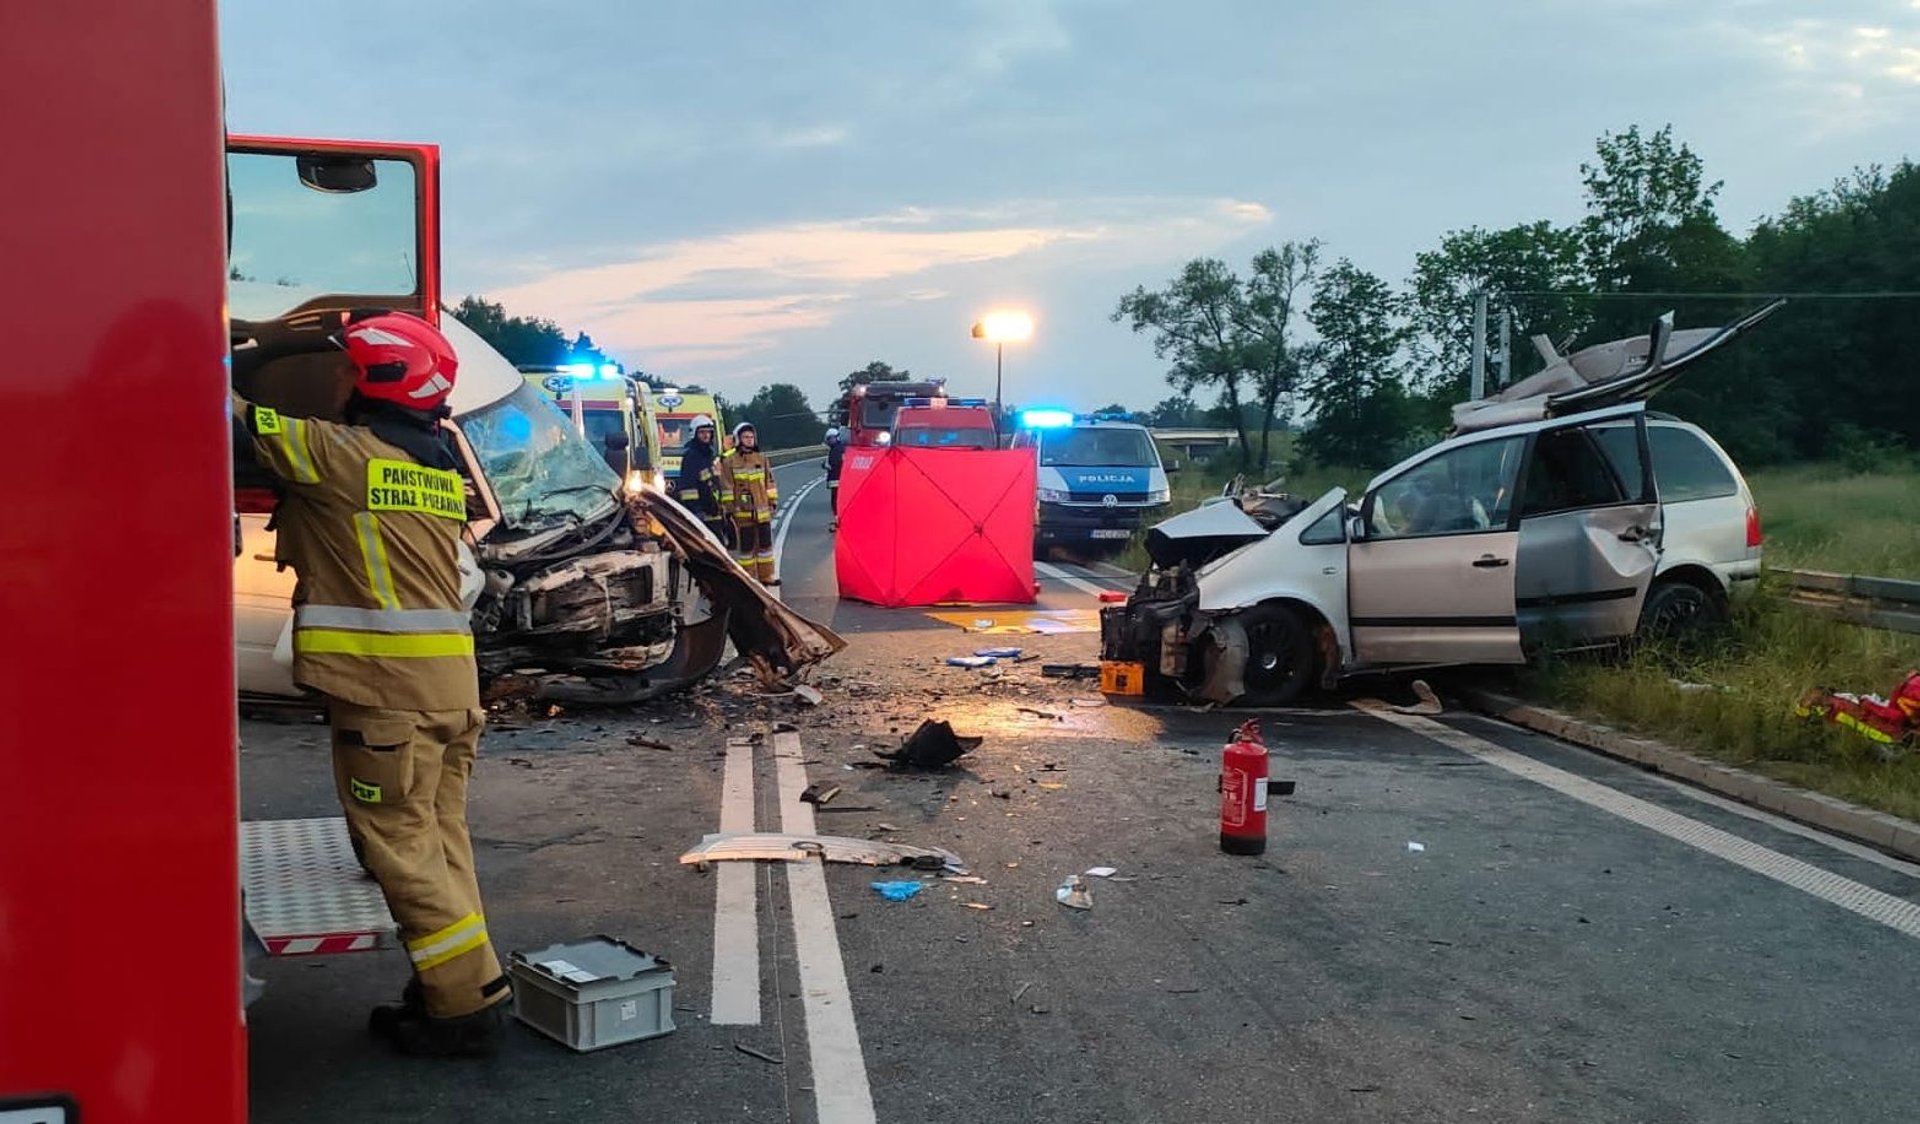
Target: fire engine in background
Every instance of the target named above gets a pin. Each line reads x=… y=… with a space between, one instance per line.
x=877 y=413
x=673 y=411
x=610 y=409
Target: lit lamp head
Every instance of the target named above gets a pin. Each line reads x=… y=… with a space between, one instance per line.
x=1004 y=327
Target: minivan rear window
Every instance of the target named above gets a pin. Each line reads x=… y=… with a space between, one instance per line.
x=1684 y=466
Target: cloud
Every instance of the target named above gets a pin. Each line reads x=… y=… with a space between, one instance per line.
x=816 y=136
x=726 y=297
x=1842 y=76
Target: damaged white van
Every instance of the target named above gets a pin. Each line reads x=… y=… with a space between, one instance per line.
x=579 y=593
x=1561 y=515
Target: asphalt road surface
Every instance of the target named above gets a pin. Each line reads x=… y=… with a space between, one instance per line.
x=1454 y=920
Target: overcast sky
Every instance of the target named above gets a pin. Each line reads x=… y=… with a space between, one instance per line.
x=746 y=192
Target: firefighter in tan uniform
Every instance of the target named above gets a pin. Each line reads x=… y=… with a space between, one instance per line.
x=371 y=519
x=749 y=494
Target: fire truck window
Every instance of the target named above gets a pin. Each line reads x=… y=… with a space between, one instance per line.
x=287 y=234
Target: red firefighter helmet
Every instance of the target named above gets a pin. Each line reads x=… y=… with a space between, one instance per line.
x=401 y=359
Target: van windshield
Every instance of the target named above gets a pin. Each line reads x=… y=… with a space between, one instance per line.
x=1096 y=447
x=943 y=437
x=540 y=468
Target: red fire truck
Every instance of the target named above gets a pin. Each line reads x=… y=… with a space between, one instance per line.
x=119 y=953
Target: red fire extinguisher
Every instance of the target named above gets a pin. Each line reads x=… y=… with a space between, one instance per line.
x=1243 y=792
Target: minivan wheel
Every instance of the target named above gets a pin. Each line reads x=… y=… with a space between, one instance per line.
x=1280 y=656
x=1681 y=611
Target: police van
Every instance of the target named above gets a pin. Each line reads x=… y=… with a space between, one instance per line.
x=1099 y=479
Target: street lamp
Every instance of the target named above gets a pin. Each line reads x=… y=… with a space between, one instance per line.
x=1001 y=329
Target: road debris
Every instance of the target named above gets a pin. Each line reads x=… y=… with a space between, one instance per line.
x=1038 y=713
x=774 y=847
x=1429 y=702
x=1415 y=848
x=971 y=661
x=820 y=793
x=1019 y=991
x=933 y=746
x=808 y=696
x=978 y=905
x=645 y=742
x=1112 y=597
x=897 y=891
x=1073 y=893
x=1089 y=702
x=1101 y=872
x=998 y=653
x=762 y=1055
x=1070 y=670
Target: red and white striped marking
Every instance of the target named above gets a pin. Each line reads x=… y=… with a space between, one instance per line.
x=324 y=944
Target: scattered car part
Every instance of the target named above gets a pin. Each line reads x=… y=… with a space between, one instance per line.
x=775 y=847
x=933 y=745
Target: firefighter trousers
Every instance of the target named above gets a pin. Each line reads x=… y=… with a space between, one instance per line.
x=753 y=545
x=402 y=779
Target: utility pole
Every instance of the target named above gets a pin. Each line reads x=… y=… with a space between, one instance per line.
x=1506 y=349
x=1479 y=385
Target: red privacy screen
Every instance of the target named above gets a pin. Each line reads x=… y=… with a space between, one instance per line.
x=924 y=526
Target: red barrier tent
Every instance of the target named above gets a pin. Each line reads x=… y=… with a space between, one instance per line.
x=924 y=526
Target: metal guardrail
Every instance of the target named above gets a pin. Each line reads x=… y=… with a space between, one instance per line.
x=1887 y=603
x=788 y=456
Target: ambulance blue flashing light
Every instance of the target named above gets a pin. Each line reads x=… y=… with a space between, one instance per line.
x=587 y=372
x=1046 y=419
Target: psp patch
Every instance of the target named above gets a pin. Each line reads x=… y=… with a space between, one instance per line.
x=405 y=486
x=362 y=791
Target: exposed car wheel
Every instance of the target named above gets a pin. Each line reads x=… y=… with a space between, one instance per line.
x=1280 y=656
x=1679 y=611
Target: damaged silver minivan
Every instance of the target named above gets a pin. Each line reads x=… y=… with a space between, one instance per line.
x=1560 y=515
x=578 y=592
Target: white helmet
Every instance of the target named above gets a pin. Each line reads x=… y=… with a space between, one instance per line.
x=701 y=422
x=833 y=433
x=742 y=428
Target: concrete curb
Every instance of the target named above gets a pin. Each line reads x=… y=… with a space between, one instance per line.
x=1895 y=836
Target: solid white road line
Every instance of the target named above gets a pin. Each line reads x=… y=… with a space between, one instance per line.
x=1895 y=913
x=786 y=523
x=736 y=922
x=841 y=1094
x=1079 y=583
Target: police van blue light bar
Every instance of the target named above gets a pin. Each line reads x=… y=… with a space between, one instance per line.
x=1045 y=419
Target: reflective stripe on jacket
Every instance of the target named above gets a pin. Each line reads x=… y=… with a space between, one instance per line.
x=748 y=479
x=373 y=537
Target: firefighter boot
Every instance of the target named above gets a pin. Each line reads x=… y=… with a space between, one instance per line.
x=418 y=1035
x=387 y=1016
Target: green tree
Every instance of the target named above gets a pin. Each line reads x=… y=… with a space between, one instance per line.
x=1362 y=414
x=1195 y=324
x=522 y=339
x=1510 y=266
x=782 y=417
x=875 y=371
x=1278 y=361
x=1173 y=412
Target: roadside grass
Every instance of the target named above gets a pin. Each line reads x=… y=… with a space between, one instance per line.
x=1821 y=517
x=1733 y=700
x=1740 y=707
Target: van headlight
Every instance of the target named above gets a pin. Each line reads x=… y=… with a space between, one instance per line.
x=1160 y=495
x=1053 y=495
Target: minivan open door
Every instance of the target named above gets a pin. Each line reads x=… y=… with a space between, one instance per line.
x=1430 y=560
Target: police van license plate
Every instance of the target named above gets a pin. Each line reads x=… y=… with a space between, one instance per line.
x=1112 y=533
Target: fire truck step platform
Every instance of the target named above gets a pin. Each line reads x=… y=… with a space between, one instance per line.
x=306 y=893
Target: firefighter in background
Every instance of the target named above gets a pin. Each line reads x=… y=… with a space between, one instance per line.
x=697 y=486
x=371 y=518
x=747 y=490
x=836 y=456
